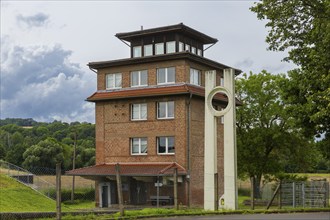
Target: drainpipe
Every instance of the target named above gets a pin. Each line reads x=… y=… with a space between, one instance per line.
x=188 y=146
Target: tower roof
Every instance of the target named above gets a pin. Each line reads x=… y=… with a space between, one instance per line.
x=178 y=28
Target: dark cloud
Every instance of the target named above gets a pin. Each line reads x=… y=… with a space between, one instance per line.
x=40 y=82
x=37 y=20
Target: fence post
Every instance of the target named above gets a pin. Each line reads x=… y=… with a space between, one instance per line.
x=58 y=191
x=293 y=194
x=252 y=192
x=280 y=196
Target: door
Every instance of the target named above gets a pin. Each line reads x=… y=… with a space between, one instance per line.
x=105 y=196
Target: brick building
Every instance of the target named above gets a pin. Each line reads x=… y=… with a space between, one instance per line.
x=149 y=111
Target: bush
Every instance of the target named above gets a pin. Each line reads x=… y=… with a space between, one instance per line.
x=244 y=192
x=79 y=194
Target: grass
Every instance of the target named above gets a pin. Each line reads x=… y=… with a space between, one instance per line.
x=17 y=197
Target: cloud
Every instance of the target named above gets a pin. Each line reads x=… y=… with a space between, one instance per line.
x=37 y=20
x=40 y=82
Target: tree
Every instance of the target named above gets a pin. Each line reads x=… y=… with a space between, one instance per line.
x=266 y=140
x=303 y=28
x=44 y=154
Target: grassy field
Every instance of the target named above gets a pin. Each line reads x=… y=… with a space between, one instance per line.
x=17 y=197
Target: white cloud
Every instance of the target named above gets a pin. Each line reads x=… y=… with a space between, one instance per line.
x=37 y=20
x=40 y=82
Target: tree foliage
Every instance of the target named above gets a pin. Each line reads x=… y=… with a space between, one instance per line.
x=267 y=140
x=302 y=27
x=23 y=142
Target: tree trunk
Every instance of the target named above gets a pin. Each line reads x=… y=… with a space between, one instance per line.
x=256 y=186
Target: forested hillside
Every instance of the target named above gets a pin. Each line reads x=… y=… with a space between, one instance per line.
x=31 y=144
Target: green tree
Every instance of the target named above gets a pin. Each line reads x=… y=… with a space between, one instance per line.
x=265 y=135
x=44 y=154
x=302 y=27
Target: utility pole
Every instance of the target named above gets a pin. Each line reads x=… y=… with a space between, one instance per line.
x=74 y=164
x=58 y=191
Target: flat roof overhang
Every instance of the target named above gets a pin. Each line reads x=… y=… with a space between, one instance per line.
x=164 y=57
x=177 y=28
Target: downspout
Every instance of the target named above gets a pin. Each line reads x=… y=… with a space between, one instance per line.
x=188 y=146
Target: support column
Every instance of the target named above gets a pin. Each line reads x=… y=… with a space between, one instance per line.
x=210 y=147
x=230 y=157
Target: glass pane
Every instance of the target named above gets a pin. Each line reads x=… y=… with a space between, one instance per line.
x=160 y=48
x=134 y=78
x=161 y=145
x=170 y=109
x=161 y=75
x=144 y=146
x=171 y=74
x=137 y=51
x=180 y=46
x=170 y=47
x=135 y=145
x=199 y=52
x=118 y=80
x=143 y=111
x=187 y=47
x=193 y=50
x=144 y=77
x=170 y=142
x=148 y=50
x=110 y=81
x=135 y=111
x=161 y=109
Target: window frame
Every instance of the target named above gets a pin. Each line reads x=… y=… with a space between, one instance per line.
x=166 y=76
x=139 y=72
x=161 y=44
x=139 y=105
x=171 y=43
x=139 y=146
x=192 y=78
x=113 y=86
x=166 y=145
x=144 y=49
x=166 y=110
x=140 y=51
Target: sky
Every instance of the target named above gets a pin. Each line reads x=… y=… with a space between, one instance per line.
x=46 y=46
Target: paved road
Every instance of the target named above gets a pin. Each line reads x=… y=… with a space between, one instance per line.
x=289 y=216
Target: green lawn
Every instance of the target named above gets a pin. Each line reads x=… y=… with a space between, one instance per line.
x=16 y=197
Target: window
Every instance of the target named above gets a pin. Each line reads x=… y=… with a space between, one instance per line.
x=113 y=81
x=139 y=146
x=170 y=47
x=222 y=82
x=165 y=145
x=159 y=48
x=165 y=110
x=139 y=78
x=166 y=75
x=148 y=50
x=199 y=52
x=139 y=111
x=181 y=46
x=137 y=51
x=195 y=76
x=193 y=50
x=187 y=47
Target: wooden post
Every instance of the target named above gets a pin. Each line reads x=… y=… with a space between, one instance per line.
x=119 y=189
x=252 y=192
x=280 y=196
x=273 y=197
x=175 y=177
x=74 y=165
x=58 y=191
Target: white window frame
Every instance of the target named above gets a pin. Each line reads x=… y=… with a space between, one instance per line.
x=193 y=78
x=139 y=106
x=139 y=72
x=145 y=49
x=168 y=46
x=166 y=110
x=181 y=46
x=114 y=76
x=166 y=145
x=166 y=76
x=161 y=47
x=140 y=145
x=137 y=51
